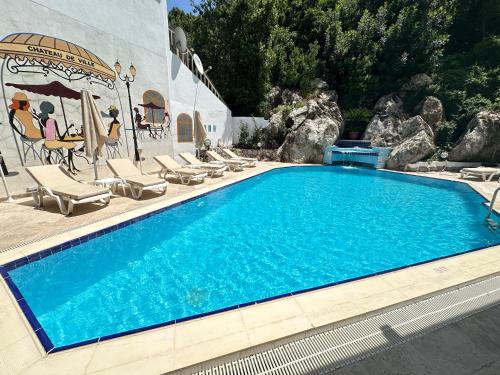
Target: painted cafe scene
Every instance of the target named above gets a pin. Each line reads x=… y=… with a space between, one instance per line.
x=65 y=105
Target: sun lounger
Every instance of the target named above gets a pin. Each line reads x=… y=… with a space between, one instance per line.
x=125 y=170
x=417 y=167
x=54 y=182
x=233 y=165
x=185 y=175
x=486 y=173
x=213 y=169
x=252 y=162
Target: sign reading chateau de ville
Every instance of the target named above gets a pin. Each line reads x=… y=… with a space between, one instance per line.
x=61 y=55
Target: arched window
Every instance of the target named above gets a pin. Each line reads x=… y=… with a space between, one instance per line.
x=154 y=116
x=184 y=128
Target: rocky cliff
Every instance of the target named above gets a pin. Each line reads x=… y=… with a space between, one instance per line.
x=310 y=124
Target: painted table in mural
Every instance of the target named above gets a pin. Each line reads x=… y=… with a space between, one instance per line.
x=79 y=151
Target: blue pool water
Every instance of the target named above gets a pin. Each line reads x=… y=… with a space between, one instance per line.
x=286 y=230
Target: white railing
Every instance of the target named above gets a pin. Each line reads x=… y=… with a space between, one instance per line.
x=492 y=203
x=187 y=59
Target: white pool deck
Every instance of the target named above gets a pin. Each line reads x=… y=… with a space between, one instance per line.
x=180 y=345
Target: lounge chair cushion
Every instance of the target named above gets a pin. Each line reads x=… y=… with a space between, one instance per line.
x=123 y=167
x=52 y=177
x=170 y=164
x=79 y=191
x=219 y=158
x=481 y=170
x=231 y=154
x=190 y=158
x=188 y=171
x=144 y=180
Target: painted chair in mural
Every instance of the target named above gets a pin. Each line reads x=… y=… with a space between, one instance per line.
x=140 y=125
x=113 y=142
x=30 y=135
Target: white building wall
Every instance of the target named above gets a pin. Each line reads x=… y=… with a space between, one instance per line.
x=187 y=95
x=250 y=122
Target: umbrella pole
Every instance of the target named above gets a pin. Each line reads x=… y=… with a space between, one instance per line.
x=64 y=114
x=94 y=161
x=10 y=199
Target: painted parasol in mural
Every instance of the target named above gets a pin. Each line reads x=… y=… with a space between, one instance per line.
x=41 y=54
x=54 y=88
x=152 y=107
x=25 y=52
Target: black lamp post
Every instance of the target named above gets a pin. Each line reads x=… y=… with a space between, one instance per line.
x=127 y=81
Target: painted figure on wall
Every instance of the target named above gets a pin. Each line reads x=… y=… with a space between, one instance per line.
x=54 y=140
x=112 y=143
x=114 y=126
x=139 y=122
x=22 y=122
x=19 y=110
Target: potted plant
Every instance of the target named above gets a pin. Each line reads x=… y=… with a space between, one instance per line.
x=356 y=121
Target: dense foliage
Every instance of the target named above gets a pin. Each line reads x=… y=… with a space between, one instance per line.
x=362 y=48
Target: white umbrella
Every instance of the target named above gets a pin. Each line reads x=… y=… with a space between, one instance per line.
x=199 y=131
x=94 y=130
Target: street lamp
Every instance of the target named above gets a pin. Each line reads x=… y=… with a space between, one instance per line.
x=127 y=81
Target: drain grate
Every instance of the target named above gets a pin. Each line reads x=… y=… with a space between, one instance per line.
x=322 y=352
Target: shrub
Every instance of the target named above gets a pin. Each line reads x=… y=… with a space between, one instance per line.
x=358 y=114
x=357 y=119
x=445 y=134
x=256 y=138
x=244 y=135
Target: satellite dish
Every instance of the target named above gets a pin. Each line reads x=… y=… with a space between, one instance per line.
x=180 y=40
x=198 y=64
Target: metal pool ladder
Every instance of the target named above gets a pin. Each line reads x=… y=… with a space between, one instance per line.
x=492 y=224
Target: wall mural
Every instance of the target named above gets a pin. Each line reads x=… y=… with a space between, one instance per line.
x=37 y=133
x=156 y=120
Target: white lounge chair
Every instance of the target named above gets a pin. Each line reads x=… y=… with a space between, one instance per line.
x=54 y=182
x=213 y=169
x=486 y=173
x=416 y=167
x=138 y=182
x=233 y=165
x=252 y=162
x=185 y=175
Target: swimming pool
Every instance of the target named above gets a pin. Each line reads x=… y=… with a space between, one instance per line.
x=279 y=233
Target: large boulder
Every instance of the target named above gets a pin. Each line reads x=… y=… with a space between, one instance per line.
x=390 y=105
x=312 y=127
x=273 y=97
x=481 y=140
x=290 y=97
x=431 y=110
x=416 y=83
x=411 y=139
x=417 y=143
x=384 y=130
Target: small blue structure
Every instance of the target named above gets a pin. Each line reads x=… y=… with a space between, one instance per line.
x=356 y=153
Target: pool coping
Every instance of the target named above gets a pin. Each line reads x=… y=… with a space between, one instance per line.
x=38 y=331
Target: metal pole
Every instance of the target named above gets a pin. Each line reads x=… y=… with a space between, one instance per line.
x=64 y=114
x=10 y=199
x=134 y=135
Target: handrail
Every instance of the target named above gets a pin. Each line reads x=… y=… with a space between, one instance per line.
x=492 y=202
x=187 y=59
